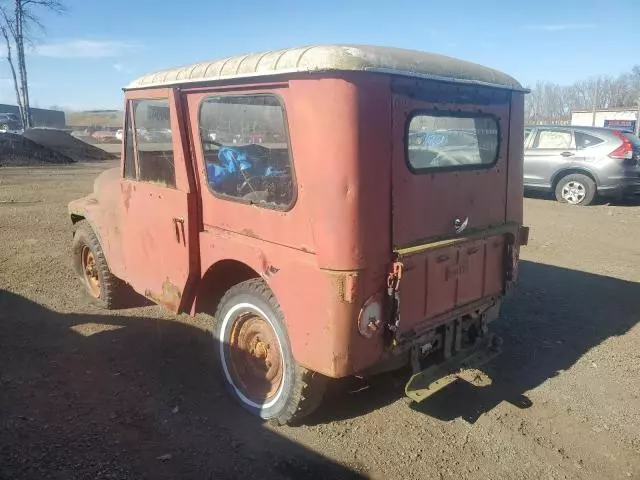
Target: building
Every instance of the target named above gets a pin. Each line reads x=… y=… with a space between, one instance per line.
x=95 y=119
x=41 y=117
x=621 y=118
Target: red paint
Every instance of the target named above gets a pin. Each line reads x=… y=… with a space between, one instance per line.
x=333 y=249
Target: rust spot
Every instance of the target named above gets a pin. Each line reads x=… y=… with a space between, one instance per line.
x=350 y=287
x=169 y=297
x=271 y=270
x=345 y=285
x=127 y=195
x=338 y=286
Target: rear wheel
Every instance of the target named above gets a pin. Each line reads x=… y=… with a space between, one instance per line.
x=576 y=189
x=91 y=266
x=256 y=360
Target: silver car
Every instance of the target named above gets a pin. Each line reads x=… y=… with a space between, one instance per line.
x=578 y=164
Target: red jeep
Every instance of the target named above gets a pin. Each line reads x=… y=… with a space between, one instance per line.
x=336 y=246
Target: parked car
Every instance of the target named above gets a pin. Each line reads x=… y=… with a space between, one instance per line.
x=104 y=136
x=578 y=164
x=372 y=256
x=9 y=122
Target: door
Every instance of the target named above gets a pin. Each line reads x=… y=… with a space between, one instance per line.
x=158 y=203
x=552 y=149
x=449 y=166
x=449 y=189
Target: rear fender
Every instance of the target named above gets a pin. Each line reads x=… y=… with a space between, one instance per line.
x=582 y=170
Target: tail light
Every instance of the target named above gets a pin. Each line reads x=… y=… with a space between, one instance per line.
x=624 y=151
x=370 y=317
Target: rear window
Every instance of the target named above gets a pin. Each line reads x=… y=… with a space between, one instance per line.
x=584 y=140
x=451 y=140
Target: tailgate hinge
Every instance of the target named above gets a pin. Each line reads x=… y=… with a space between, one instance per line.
x=393 y=292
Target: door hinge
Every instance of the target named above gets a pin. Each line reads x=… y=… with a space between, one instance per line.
x=393 y=292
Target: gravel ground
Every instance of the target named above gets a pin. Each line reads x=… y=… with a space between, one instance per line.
x=86 y=393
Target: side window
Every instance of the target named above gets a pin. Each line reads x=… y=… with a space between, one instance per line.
x=129 y=154
x=584 y=140
x=154 y=142
x=553 y=138
x=246 y=149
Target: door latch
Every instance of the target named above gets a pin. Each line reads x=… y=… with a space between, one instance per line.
x=178 y=223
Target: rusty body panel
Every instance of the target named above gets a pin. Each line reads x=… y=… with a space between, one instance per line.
x=102 y=210
x=340 y=270
x=357 y=209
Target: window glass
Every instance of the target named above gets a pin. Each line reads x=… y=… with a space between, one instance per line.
x=246 y=149
x=154 y=142
x=527 y=133
x=458 y=140
x=553 y=139
x=584 y=140
x=129 y=155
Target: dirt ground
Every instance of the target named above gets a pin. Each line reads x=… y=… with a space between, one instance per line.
x=89 y=394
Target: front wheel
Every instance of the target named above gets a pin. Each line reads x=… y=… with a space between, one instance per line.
x=576 y=189
x=254 y=352
x=90 y=264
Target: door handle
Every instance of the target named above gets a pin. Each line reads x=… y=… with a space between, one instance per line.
x=178 y=228
x=567 y=154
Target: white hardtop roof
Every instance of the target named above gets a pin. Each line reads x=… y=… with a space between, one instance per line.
x=328 y=58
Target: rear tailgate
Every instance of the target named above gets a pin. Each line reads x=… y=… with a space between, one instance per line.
x=449 y=196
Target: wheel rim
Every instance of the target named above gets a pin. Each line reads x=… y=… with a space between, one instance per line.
x=574 y=192
x=90 y=272
x=255 y=358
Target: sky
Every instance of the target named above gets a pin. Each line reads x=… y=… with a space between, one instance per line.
x=84 y=57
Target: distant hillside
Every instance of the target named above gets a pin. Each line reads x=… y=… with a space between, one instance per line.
x=95 y=118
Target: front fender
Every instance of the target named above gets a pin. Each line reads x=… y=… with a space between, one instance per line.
x=101 y=209
x=82 y=209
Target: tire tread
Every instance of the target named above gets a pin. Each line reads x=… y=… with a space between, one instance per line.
x=111 y=287
x=308 y=386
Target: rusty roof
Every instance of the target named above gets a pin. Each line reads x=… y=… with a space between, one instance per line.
x=331 y=58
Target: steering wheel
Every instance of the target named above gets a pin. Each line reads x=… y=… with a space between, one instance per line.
x=444 y=160
x=248 y=185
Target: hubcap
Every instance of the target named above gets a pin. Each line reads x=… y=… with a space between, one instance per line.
x=90 y=271
x=255 y=357
x=574 y=192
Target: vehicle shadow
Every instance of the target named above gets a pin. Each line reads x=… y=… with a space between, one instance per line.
x=628 y=201
x=552 y=318
x=632 y=201
x=97 y=396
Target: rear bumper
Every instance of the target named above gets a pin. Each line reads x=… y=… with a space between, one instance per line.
x=628 y=184
x=462 y=366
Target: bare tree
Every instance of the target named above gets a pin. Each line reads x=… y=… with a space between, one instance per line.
x=552 y=103
x=17 y=25
x=8 y=44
